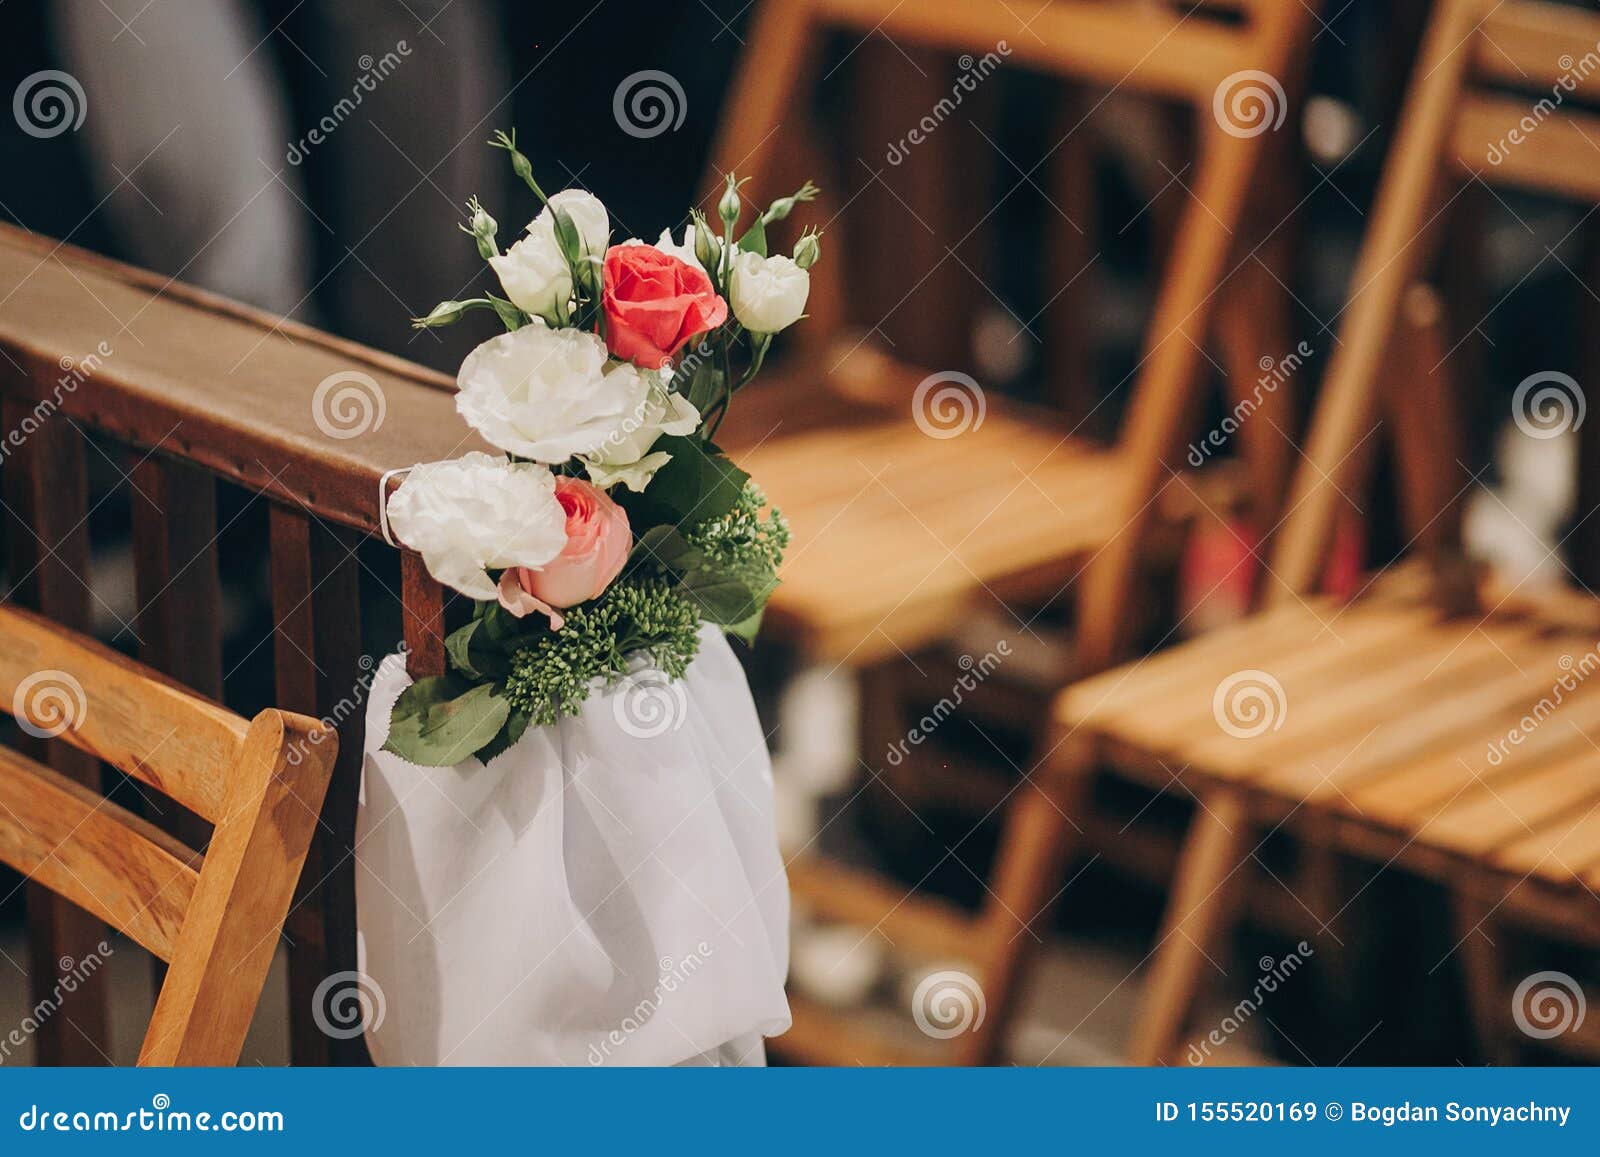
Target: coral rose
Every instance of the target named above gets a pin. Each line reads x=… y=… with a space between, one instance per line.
x=654 y=303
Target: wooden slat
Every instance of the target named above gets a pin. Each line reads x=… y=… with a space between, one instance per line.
x=46 y=489
x=1426 y=726
x=1561 y=851
x=1413 y=788
x=1533 y=45
x=155 y=730
x=178 y=585
x=1344 y=700
x=1477 y=822
x=317 y=663
x=104 y=859
x=1149 y=50
x=176 y=571
x=222 y=386
x=422 y=603
x=1154 y=679
x=1557 y=153
x=1303 y=663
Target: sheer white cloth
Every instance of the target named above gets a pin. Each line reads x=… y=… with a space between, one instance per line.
x=607 y=891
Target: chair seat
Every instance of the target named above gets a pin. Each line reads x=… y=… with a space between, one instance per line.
x=900 y=527
x=896 y=532
x=1476 y=738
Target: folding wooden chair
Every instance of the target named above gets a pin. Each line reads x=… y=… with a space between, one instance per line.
x=1409 y=725
x=215 y=919
x=904 y=518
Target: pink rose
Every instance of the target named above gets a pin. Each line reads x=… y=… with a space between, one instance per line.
x=598 y=542
x=654 y=303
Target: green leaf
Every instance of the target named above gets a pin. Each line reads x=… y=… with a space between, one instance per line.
x=568 y=239
x=510 y=316
x=723 y=597
x=483 y=648
x=699 y=483
x=515 y=725
x=438 y=724
x=754 y=239
x=747 y=629
x=704 y=383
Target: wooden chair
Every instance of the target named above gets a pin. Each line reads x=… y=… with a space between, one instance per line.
x=1396 y=726
x=215 y=919
x=893 y=524
x=906 y=518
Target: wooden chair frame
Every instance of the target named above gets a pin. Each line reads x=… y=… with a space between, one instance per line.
x=1391 y=328
x=1147 y=49
x=215 y=920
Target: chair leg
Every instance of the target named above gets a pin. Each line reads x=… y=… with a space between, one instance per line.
x=1039 y=838
x=1199 y=916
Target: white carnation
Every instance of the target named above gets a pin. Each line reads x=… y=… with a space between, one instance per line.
x=767 y=293
x=545 y=394
x=479 y=513
x=625 y=457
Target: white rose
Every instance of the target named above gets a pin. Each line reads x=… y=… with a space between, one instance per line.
x=534 y=275
x=767 y=293
x=671 y=248
x=683 y=252
x=626 y=457
x=588 y=215
x=479 y=513
x=544 y=394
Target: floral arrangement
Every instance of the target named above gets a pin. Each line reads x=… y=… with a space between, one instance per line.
x=613 y=526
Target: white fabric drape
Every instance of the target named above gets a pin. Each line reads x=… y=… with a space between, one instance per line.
x=607 y=891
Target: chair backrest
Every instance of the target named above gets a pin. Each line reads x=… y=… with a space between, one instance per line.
x=1229 y=62
x=1459 y=125
x=215 y=919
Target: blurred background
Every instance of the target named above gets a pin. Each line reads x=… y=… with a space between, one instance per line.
x=199 y=159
